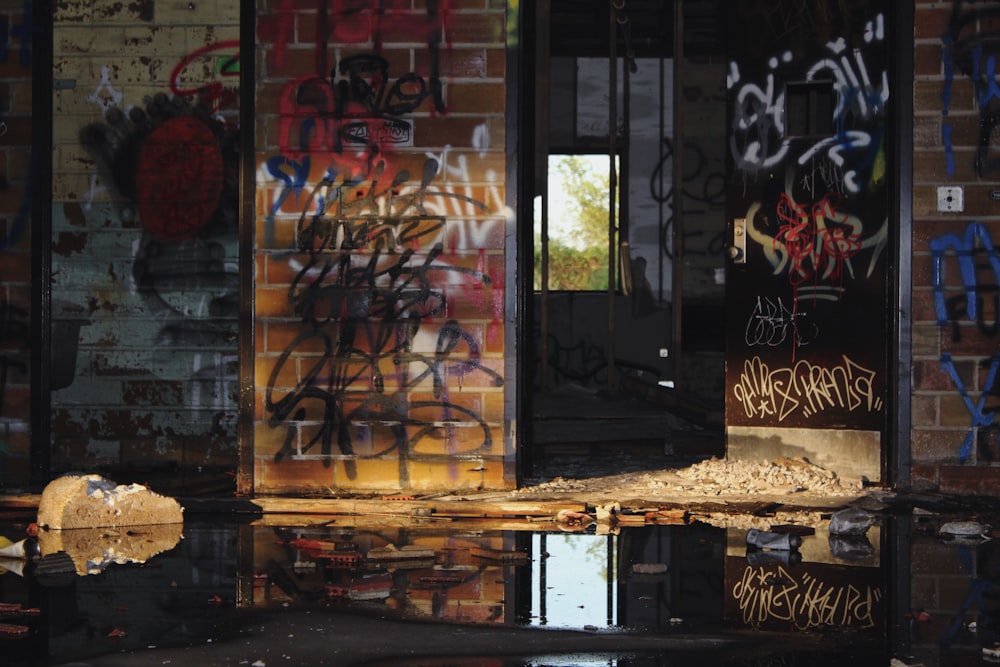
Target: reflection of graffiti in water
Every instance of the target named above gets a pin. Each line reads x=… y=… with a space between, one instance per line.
x=803 y=601
x=365 y=295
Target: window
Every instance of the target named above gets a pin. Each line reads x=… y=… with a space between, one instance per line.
x=579 y=188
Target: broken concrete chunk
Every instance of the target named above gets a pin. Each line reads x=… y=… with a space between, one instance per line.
x=91 y=501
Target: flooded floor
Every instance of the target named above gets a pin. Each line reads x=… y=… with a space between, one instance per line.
x=424 y=591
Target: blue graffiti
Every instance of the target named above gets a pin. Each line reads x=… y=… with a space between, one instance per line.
x=966 y=249
x=963 y=48
x=979 y=417
x=290 y=183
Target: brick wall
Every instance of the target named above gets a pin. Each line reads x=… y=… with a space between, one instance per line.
x=16 y=73
x=144 y=259
x=380 y=232
x=956 y=270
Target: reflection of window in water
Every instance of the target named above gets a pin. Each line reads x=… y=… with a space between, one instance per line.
x=573 y=580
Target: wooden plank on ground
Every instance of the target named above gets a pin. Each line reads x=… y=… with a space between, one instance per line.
x=451 y=508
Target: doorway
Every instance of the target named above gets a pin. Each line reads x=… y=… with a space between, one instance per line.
x=626 y=353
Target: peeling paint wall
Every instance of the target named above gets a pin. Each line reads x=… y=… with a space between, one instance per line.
x=144 y=239
x=16 y=75
x=380 y=235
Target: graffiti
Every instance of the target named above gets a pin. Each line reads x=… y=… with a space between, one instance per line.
x=976 y=242
x=816 y=243
x=772 y=324
x=165 y=162
x=803 y=600
x=363 y=296
x=175 y=168
x=976 y=410
x=966 y=51
x=759 y=137
x=178 y=178
x=703 y=189
x=581 y=362
x=104 y=95
x=357 y=108
x=347 y=22
x=805 y=389
x=974 y=246
x=221 y=60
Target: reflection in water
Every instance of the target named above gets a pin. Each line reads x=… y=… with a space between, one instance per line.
x=900 y=590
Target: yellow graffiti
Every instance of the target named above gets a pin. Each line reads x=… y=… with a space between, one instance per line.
x=804 y=602
x=804 y=387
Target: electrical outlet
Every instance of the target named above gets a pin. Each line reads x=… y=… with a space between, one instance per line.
x=950 y=199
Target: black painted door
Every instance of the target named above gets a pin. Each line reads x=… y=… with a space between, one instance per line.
x=809 y=318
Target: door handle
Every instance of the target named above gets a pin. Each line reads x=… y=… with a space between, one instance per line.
x=738 y=249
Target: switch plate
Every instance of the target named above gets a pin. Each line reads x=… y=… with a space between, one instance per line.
x=950 y=199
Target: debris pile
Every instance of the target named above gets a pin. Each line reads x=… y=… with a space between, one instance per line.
x=784 y=475
x=713 y=477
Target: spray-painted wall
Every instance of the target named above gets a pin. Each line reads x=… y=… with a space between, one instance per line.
x=380 y=247
x=144 y=234
x=16 y=76
x=807 y=360
x=956 y=268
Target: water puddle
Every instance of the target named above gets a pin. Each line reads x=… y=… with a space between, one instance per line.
x=428 y=592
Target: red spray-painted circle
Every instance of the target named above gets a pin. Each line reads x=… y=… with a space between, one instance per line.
x=179 y=179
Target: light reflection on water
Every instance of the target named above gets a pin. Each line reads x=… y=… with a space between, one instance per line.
x=911 y=594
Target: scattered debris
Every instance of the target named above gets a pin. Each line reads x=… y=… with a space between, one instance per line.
x=571 y=518
x=26 y=549
x=965 y=530
x=391 y=553
x=607 y=513
x=851 y=548
x=13 y=631
x=851 y=521
x=762 y=539
x=91 y=501
x=499 y=556
x=649 y=568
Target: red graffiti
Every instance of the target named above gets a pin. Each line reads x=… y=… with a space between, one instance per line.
x=351 y=22
x=179 y=179
x=818 y=239
x=222 y=60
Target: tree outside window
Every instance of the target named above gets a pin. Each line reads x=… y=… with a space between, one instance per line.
x=579 y=189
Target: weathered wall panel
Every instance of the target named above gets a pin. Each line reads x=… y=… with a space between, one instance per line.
x=144 y=217
x=380 y=235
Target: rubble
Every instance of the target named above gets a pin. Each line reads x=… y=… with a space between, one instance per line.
x=91 y=501
x=713 y=477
